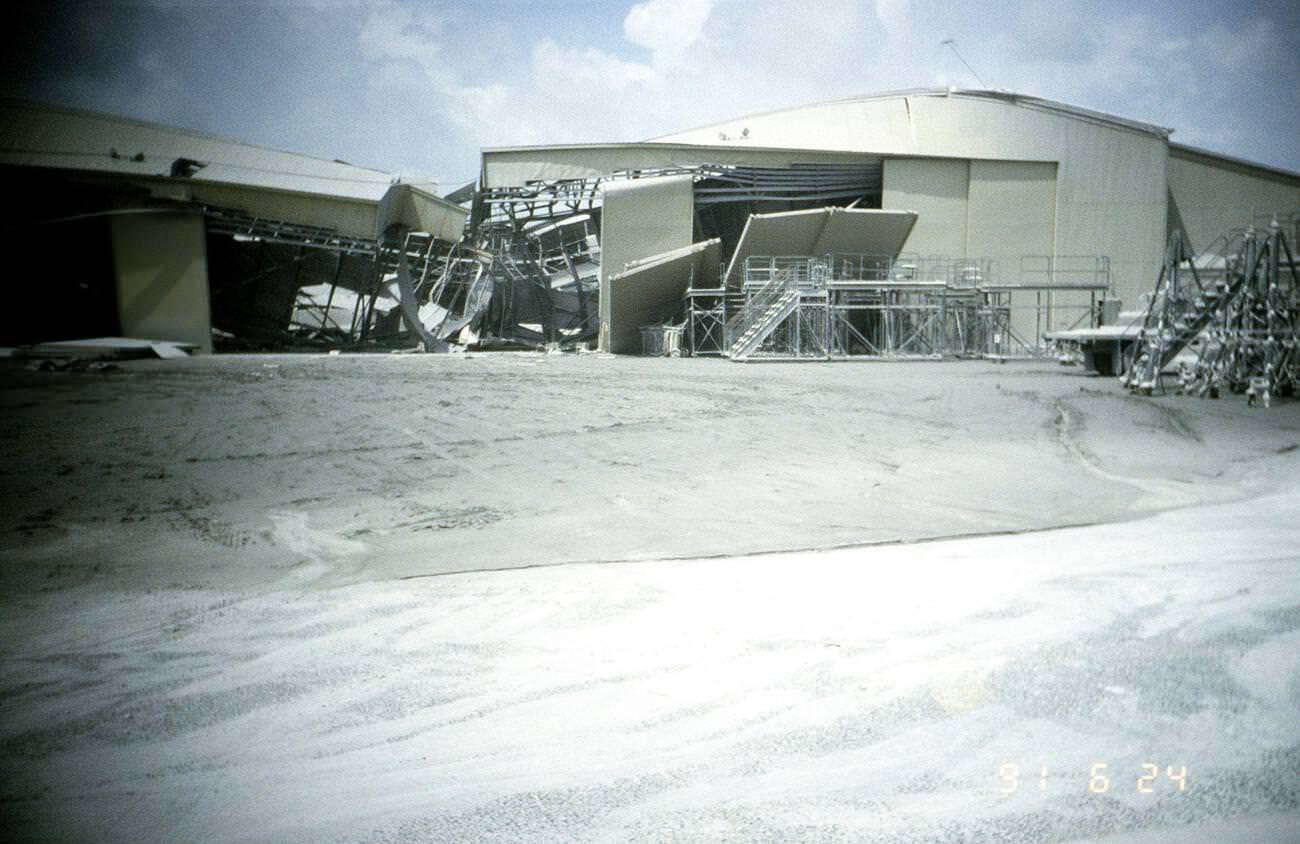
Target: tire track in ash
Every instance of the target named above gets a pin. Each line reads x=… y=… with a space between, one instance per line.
x=1158 y=494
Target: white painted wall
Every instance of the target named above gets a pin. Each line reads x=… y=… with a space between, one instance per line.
x=1111 y=193
x=1011 y=213
x=651 y=292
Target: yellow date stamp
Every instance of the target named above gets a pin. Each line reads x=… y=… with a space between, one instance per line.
x=1101 y=778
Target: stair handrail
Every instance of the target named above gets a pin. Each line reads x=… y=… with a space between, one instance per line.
x=782 y=283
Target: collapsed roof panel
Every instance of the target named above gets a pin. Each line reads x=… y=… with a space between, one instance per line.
x=822 y=231
x=650 y=291
x=414 y=209
x=39 y=135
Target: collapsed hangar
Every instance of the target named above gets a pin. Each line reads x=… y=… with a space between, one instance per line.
x=121 y=227
x=914 y=223
x=1047 y=207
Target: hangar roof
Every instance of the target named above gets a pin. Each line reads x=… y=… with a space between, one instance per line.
x=188 y=166
x=1249 y=168
x=40 y=135
x=927 y=123
x=1007 y=97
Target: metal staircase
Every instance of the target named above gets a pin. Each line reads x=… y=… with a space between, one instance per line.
x=1181 y=307
x=1247 y=321
x=1253 y=343
x=761 y=315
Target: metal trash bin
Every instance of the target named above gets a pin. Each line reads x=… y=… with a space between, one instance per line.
x=661 y=340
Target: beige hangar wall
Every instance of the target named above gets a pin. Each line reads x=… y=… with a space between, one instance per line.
x=1110 y=186
x=1000 y=210
x=935 y=188
x=1011 y=213
x=976 y=209
x=162 y=277
x=1209 y=197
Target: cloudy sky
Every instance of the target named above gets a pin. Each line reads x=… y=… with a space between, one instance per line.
x=419 y=87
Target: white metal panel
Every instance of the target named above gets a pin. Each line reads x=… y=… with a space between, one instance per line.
x=354 y=217
x=1012 y=207
x=1012 y=214
x=821 y=231
x=863 y=231
x=992 y=125
x=418 y=210
x=45 y=136
x=1111 y=193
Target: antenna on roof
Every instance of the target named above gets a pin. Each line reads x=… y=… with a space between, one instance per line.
x=952 y=42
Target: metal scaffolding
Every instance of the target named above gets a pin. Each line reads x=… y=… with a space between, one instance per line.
x=1244 y=326
x=848 y=306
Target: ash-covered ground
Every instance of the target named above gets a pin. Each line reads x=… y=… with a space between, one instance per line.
x=523 y=597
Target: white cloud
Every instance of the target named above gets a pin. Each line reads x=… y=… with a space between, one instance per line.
x=668 y=28
x=401 y=33
x=710 y=60
x=895 y=18
x=557 y=70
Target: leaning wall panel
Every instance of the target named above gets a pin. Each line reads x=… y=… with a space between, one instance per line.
x=640 y=218
x=162 y=277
